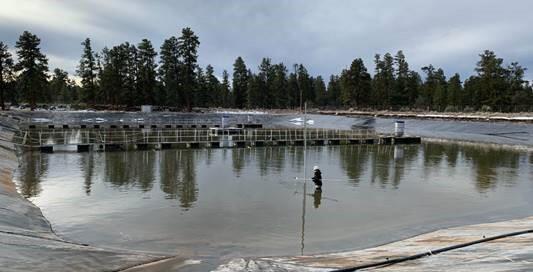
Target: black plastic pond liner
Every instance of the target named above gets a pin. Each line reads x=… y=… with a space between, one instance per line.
x=431 y=252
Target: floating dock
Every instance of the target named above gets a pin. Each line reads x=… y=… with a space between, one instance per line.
x=110 y=139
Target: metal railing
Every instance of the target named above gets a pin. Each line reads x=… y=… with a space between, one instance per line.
x=155 y=136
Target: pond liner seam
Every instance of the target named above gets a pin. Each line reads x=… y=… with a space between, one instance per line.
x=389 y=262
x=44 y=238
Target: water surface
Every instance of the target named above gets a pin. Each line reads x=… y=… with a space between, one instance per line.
x=250 y=202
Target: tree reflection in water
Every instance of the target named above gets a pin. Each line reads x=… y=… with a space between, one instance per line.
x=176 y=170
x=387 y=163
x=32 y=168
x=489 y=165
x=130 y=169
x=238 y=159
x=178 y=176
x=87 y=167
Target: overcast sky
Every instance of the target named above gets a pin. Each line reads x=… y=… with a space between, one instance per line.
x=323 y=35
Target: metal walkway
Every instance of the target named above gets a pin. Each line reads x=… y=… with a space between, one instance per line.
x=102 y=139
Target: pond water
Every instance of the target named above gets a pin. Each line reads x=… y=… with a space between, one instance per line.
x=250 y=202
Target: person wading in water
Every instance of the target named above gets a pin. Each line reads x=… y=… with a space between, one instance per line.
x=317 y=177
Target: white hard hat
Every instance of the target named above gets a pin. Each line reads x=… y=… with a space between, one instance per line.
x=315 y=167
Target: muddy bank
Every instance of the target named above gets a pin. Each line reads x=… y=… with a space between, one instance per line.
x=27 y=241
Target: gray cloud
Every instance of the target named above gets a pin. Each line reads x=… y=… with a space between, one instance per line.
x=324 y=35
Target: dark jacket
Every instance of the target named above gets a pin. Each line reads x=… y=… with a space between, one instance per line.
x=317 y=178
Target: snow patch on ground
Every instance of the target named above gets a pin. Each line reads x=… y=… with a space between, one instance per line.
x=40 y=120
x=263 y=265
x=242 y=112
x=96 y=120
x=79 y=111
x=190 y=262
x=299 y=121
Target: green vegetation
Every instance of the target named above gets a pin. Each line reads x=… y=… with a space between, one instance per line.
x=32 y=68
x=6 y=73
x=127 y=75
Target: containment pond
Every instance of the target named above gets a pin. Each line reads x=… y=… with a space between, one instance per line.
x=251 y=201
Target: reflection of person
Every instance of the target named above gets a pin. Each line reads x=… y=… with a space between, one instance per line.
x=317 y=178
x=317 y=197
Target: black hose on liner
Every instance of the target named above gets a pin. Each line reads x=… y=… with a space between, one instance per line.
x=431 y=252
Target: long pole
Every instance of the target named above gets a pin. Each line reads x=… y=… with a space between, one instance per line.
x=298 y=85
x=305 y=178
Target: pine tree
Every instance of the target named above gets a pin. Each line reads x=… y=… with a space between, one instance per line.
x=130 y=70
x=414 y=81
x=334 y=91
x=400 y=95
x=212 y=92
x=105 y=75
x=305 y=86
x=6 y=72
x=240 y=83
x=72 y=96
x=118 y=76
x=187 y=50
x=455 y=92
x=199 y=94
x=515 y=76
x=517 y=87
x=225 y=91
x=293 y=91
x=87 y=69
x=472 y=88
x=265 y=96
x=59 y=87
x=384 y=80
x=280 y=86
x=439 y=98
x=169 y=73
x=356 y=84
x=32 y=67
x=126 y=75
x=491 y=75
x=146 y=73
x=320 y=92
x=433 y=94
x=255 y=87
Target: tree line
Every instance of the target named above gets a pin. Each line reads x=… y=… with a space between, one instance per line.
x=128 y=75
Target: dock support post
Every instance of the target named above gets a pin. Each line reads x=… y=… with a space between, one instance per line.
x=83 y=148
x=47 y=149
x=141 y=146
x=194 y=145
x=334 y=142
